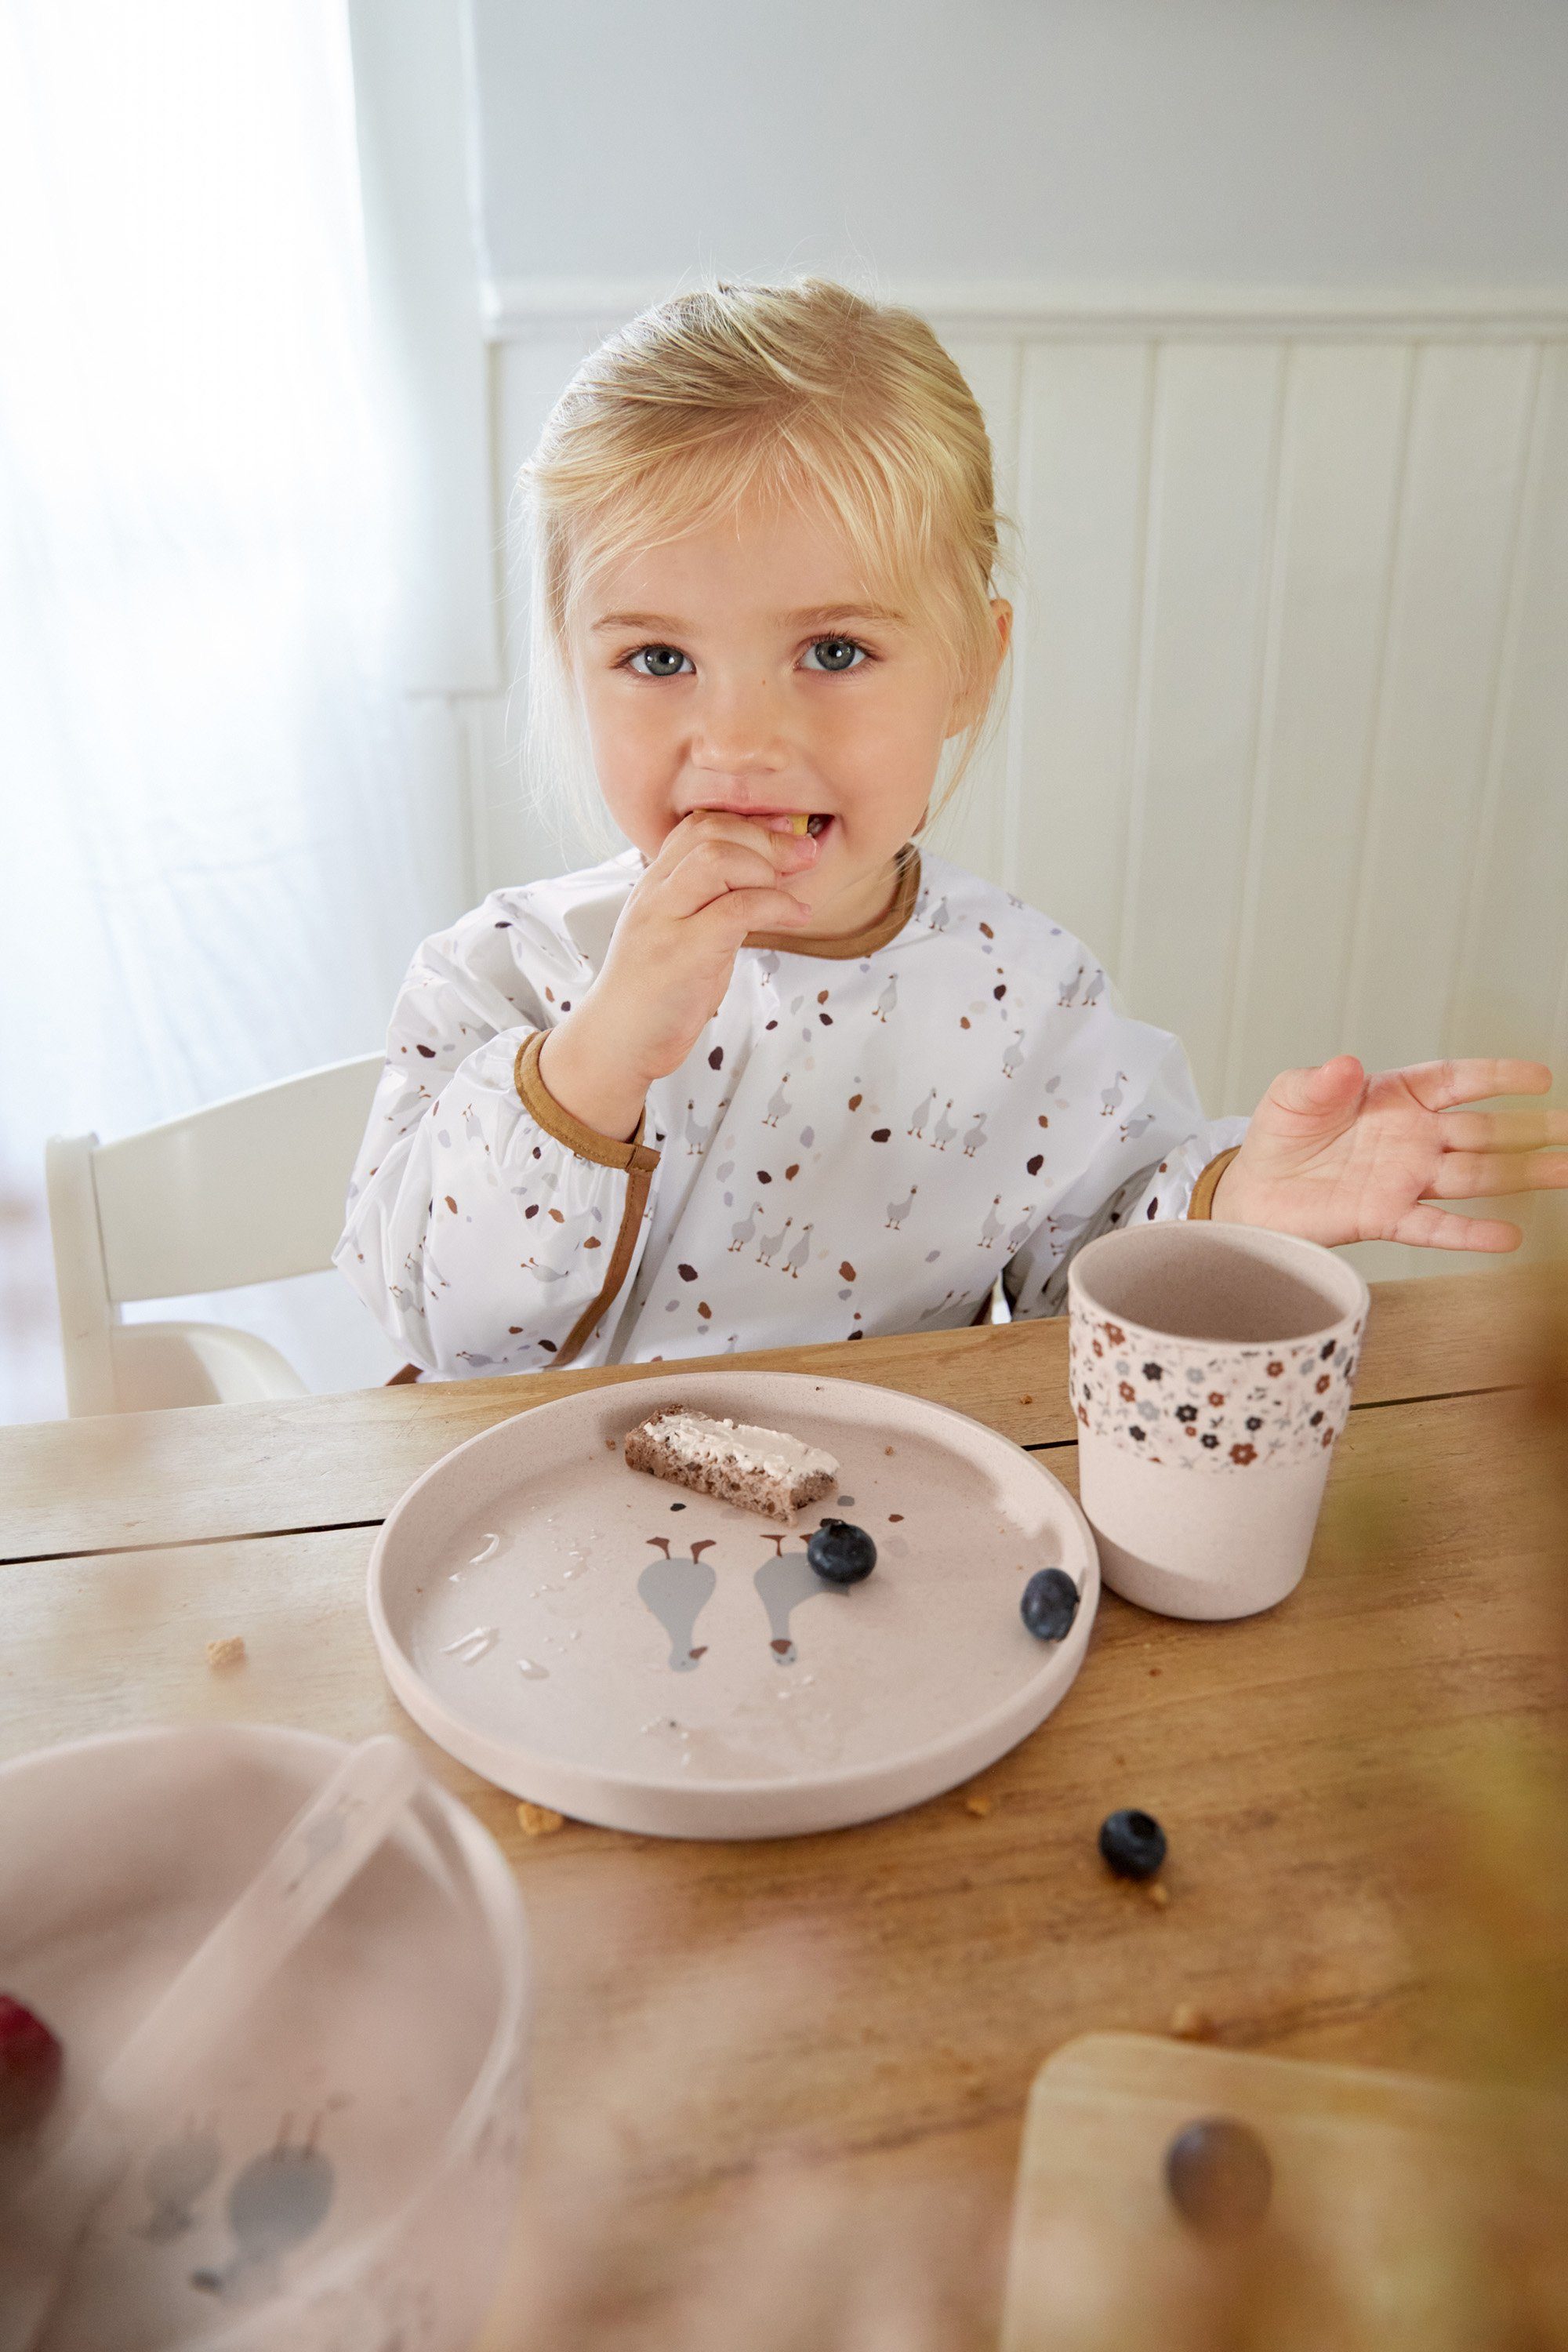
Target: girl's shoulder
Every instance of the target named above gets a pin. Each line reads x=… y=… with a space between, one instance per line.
x=561 y=923
x=992 y=927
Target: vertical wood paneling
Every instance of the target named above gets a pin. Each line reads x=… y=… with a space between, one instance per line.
x=1083 y=481
x=992 y=371
x=1212 y=483
x=1516 y=936
x=1458 y=531
x=1340 y=465
x=973 y=828
x=1511 y=991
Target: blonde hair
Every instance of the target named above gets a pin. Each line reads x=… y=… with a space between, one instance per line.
x=804 y=391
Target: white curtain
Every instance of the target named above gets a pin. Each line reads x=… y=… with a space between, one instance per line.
x=211 y=871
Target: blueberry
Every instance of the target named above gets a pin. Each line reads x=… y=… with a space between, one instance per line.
x=1133 y=1843
x=1220 y=2176
x=840 y=1552
x=1049 y=1604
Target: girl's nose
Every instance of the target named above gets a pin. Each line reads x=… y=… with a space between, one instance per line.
x=737 y=729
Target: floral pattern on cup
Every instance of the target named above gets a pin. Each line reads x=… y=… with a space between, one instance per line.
x=1211 y=1408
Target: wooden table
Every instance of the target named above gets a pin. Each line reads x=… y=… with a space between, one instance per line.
x=869 y=2005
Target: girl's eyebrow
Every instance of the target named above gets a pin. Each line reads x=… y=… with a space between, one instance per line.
x=814 y=615
x=819 y=613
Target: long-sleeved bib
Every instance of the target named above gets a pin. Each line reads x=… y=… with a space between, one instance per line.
x=867 y=1132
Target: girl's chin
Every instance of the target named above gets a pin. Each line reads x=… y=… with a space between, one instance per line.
x=845 y=901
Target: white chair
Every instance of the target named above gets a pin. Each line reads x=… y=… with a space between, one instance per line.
x=250 y=1190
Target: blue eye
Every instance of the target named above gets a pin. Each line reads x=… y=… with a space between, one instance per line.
x=839 y=655
x=664 y=661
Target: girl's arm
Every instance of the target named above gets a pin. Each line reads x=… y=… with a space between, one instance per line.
x=485 y=1229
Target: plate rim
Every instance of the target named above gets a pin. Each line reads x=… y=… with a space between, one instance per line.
x=392 y=1654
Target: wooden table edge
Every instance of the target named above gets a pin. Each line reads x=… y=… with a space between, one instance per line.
x=1514 y=1290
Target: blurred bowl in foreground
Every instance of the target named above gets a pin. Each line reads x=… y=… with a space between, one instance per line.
x=345 y=2174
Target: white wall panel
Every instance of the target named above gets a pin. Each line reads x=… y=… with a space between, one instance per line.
x=1213 y=463
x=1514 y=950
x=1459 y=526
x=1083 y=480
x=972 y=829
x=1510 y=994
x=1342 y=449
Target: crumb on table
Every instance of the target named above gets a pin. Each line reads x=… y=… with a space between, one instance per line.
x=538 y=1821
x=229 y=1652
x=887 y=1449
x=1155 y=1892
x=979 y=1804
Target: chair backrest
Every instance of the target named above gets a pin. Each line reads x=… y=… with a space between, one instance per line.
x=246 y=1191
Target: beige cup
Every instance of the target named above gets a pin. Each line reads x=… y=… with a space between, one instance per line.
x=1211 y=1371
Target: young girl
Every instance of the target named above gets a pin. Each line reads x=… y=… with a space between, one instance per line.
x=774 y=1073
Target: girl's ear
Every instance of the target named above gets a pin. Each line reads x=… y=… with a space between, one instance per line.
x=1001 y=613
x=969 y=708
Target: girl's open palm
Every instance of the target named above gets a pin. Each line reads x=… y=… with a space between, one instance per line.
x=1337 y=1155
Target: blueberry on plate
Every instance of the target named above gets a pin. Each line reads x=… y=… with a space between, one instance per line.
x=840 y=1552
x=1133 y=1843
x=1220 y=2176
x=1049 y=1604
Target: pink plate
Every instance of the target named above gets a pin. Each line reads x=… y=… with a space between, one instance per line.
x=631 y=1654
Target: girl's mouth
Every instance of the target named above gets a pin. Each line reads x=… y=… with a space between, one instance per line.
x=816 y=823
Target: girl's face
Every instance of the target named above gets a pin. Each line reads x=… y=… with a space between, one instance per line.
x=743 y=667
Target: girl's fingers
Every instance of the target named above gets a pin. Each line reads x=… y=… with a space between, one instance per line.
x=1440 y=1229
x=1492 y=1175
x=714 y=869
x=1437 y=1084
x=1493 y=1130
x=785 y=852
x=728 y=920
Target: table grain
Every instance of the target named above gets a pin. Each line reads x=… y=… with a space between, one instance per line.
x=204 y=1473
x=960 y=1946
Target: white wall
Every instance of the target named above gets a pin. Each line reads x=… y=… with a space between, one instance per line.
x=1332 y=142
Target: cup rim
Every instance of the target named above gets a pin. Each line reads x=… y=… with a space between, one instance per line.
x=1264 y=1242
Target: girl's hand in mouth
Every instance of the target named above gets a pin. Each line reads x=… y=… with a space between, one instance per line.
x=718 y=876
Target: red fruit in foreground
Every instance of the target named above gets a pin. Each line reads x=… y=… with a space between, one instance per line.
x=30 y=2062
